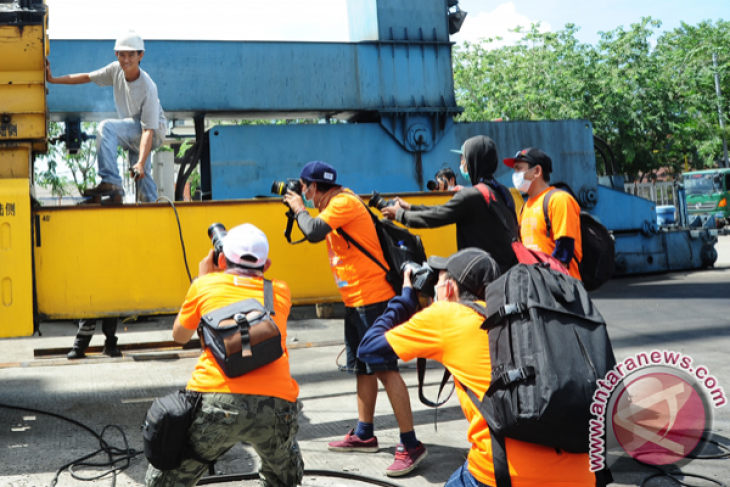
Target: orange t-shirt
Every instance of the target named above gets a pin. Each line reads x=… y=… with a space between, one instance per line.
x=216 y=290
x=564 y=218
x=450 y=333
x=359 y=280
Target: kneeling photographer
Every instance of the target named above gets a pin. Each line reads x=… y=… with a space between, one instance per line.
x=477 y=224
x=449 y=331
x=365 y=292
x=237 y=402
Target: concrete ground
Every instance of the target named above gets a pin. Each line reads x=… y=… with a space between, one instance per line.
x=684 y=312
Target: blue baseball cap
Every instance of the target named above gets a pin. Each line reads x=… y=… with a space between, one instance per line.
x=459 y=151
x=319 y=172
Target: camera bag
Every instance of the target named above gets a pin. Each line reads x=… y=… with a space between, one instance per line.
x=242 y=336
x=165 y=429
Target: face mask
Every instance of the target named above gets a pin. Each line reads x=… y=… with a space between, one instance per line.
x=464 y=173
x=307 y=202
x=436 y=292
x=519 y=181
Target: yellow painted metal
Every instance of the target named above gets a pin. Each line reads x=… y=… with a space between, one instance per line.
x=16 y=277
x=22 y=82
x=106 y=261
x=15 y=160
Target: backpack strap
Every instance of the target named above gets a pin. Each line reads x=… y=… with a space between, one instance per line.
x=499 y=450
x=269 y=297
x=362 y=249
x=546 y=212
x=489 y=195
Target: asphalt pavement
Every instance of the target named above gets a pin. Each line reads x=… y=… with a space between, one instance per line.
x=685 y=312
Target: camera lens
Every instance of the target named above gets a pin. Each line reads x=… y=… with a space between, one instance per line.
x=216 y=232
x=432 y=185
x=377 y=201
x=277 y=188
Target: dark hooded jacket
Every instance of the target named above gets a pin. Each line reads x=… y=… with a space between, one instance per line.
x=477 y=224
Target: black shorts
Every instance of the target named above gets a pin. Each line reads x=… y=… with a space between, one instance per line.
x=357 y=322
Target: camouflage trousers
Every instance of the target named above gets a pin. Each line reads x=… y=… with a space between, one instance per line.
x=269 y=424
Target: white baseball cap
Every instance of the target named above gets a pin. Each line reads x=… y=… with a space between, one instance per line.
x=246 y=245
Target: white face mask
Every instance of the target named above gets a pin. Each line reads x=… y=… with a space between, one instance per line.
x=519 y=181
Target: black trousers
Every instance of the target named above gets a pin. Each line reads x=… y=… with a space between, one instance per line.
x=87 y=328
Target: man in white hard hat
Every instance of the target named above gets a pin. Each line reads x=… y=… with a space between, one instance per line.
x=141 y=126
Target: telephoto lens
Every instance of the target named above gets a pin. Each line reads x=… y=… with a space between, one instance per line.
x=280 y=188
x=432 y=185
x=377 y=201
x=216 y=232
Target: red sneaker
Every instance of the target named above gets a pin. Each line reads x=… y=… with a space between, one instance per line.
x=352 y=443
x=406 y=460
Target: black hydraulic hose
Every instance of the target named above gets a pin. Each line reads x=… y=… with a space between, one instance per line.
x=610 y=152
x=179 y=231
x=315 y=473
x=129 y=453
x=195 y=151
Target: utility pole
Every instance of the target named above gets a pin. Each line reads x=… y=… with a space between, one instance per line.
x=719 y=109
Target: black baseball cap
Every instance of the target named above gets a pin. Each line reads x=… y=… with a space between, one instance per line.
x=319 y=172
x=532 y=156
x=471 y=268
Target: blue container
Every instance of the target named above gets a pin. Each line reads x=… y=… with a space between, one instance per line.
x=665 y=215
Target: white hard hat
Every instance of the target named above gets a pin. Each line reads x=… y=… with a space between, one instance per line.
x=131 y=41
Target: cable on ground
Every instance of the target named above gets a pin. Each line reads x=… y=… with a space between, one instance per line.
x=678 y=476
x=114 y=454
x=126 y=454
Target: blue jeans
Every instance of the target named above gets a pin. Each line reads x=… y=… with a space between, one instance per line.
x=463 y=478
x=127 y=134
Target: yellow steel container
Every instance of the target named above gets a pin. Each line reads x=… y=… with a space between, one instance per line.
x=125 y=260
x=16 y=277
x=22 y=83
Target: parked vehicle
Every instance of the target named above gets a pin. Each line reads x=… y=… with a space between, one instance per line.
x=708 y=193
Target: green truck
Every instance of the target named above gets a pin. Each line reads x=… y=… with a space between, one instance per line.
x=707 y=193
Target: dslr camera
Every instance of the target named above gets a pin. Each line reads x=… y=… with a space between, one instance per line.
x=216 y=232
x=280 y=188
x=377 y=201
x=433 y=184
x=423 y=278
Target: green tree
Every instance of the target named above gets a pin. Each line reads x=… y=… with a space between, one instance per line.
x=645 y=97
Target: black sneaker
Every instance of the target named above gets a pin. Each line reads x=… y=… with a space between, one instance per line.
x=111 y=350
x=75 y=353
x=104 y=189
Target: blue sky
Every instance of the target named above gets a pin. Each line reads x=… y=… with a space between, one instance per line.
x=326 y=20
x=591 y=16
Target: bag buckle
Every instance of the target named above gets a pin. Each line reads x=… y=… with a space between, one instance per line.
x=511 y=309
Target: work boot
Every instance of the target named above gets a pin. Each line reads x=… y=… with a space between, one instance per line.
x=111 y=349
x=75 y=353
x=104 y=189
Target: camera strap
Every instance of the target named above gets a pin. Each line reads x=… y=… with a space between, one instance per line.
x=290 y=218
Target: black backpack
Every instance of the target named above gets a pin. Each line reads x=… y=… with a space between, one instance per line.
x=399 y=246
x=165 y=429
x=534 y=396
x=241 y=343
x=599 y=252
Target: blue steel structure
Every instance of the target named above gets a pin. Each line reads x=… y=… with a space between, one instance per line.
x=393 y=88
